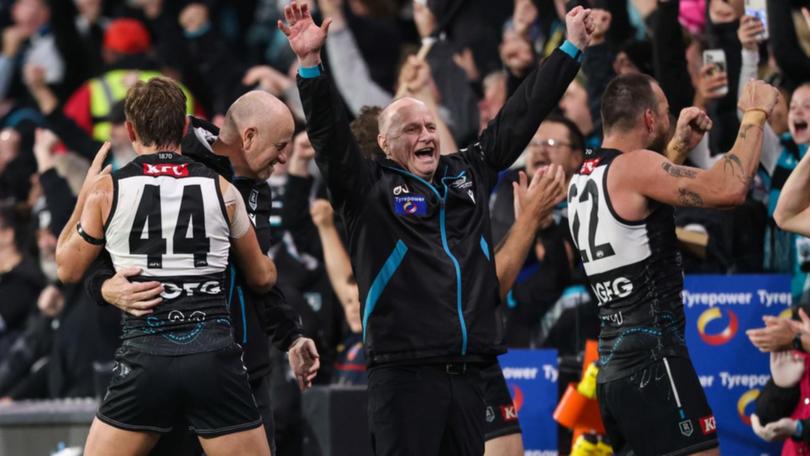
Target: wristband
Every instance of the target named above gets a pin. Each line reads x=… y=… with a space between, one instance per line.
x=572 y=51
x=756 y=109
x=309 y=72
x=799 y=429
x=87 y=237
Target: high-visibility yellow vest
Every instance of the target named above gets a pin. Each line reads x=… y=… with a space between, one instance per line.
x=110 y=88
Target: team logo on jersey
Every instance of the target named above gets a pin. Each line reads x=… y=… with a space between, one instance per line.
x=717 y=338
x=748 y=398
x=490 y=414
x=461 y=183
x=410 y=205
x=686 y=427
x=471 y=195
x=588 y=166
x=166 y=169
x=253 y=200
x=400 y=189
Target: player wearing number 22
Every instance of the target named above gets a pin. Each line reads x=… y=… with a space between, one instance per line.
x=620 y=207
x=177 y=220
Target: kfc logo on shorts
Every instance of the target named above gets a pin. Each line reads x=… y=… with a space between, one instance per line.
x=708 y=425
x=588 y=166
x=166 y=169
x=509 y=413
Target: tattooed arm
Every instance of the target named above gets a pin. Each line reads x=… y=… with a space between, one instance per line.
x=651 y=176
x=643 y=174
x=793 y=208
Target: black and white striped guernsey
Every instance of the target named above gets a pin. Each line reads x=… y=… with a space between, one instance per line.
x=168 y=217
x=634 y=269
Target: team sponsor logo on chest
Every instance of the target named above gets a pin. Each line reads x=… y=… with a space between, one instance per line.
x=608 y=290
x=410 y=205
x=166 y=169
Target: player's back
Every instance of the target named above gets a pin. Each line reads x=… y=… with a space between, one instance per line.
x=634 y=269
x=168 y=217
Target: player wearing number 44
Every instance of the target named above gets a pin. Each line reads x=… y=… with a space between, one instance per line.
x=177 y=220
x=620 y=207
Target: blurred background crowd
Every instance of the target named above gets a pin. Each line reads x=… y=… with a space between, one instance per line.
x=65 y=66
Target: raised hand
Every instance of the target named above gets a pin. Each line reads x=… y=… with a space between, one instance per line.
x=268 y=79
x=749 y=32
x=692 y=124
x=306 y=39
x=96 y=170
x=44 y=142
x=423 y=19
x=579 y=27
x=601 y=23
x=786 y=368
x=758 y=95
x=322 y=213
x=539 y=197
x=524 y=16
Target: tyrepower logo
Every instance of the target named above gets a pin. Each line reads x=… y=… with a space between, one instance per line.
x=744 y=403
x=721 y=337
x=166 y=169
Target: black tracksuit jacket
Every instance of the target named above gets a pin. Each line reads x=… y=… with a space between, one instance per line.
x=422 y=251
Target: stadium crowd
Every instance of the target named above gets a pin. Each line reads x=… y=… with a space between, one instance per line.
x=65 y=67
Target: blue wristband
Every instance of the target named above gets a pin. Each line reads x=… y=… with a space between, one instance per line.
x=799 y=429
x=573 y=51
x=309 y=72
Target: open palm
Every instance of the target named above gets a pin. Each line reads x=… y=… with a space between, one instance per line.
x=306 y=39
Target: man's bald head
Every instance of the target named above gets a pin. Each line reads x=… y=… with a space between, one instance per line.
x=390 y=113
x=253 y=109
x=263 y=125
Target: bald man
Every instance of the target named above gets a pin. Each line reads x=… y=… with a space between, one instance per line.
x=421 y=245
x=254 y=137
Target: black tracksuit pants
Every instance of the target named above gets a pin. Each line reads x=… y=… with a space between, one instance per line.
x=426 y=410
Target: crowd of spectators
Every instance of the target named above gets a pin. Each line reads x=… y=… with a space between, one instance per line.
x=65 y=66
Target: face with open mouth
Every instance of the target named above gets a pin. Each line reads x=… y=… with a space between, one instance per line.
x=799 y=115
x=408 y=136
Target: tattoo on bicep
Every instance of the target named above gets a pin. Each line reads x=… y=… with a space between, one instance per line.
x=679 y=171
x=688 y=198
x=733 y=165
